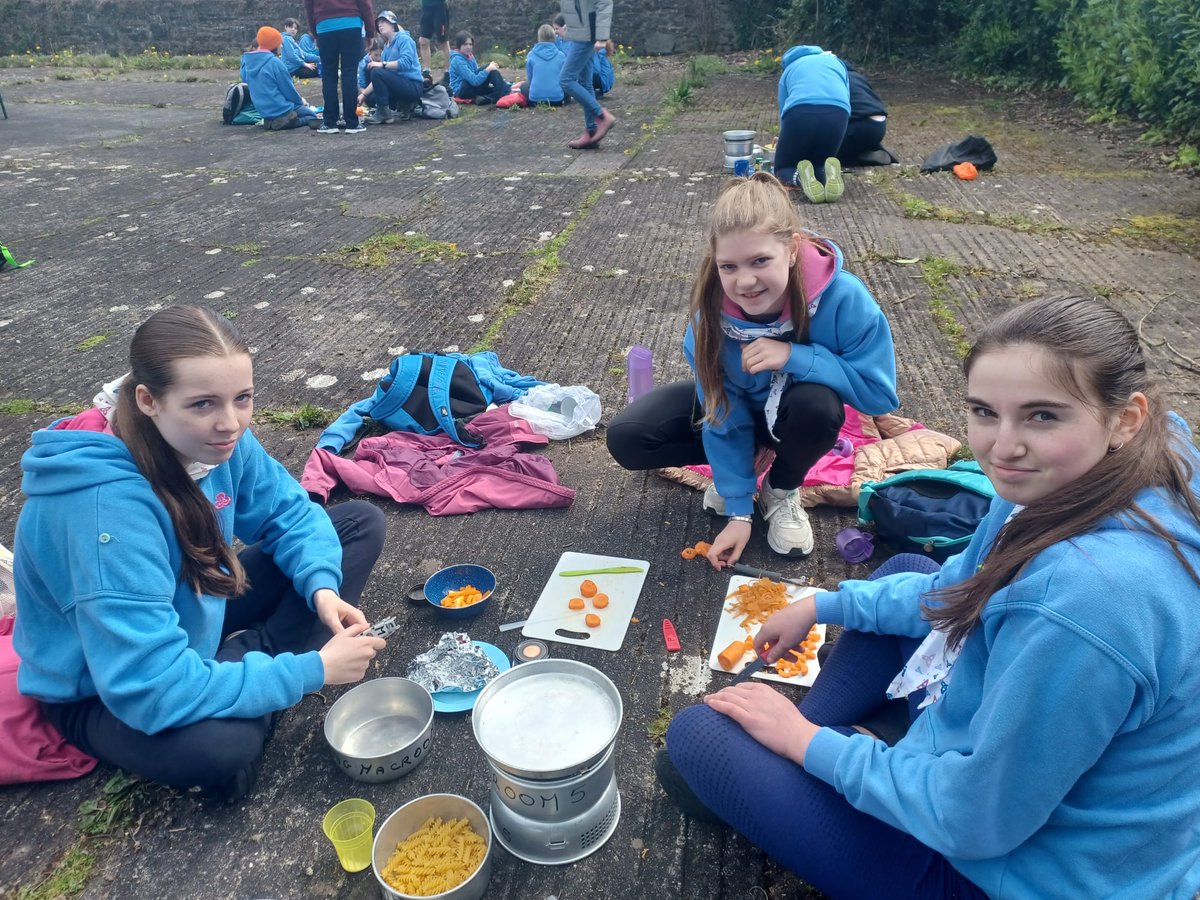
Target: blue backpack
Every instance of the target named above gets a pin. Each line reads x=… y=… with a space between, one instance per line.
x=932 y=511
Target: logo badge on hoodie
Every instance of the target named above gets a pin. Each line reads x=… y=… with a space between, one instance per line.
x=221 y=500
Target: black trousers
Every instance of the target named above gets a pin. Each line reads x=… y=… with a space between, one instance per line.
x=211 y=752
x=488 y=92
x=662 y=429
x=809 y=131
x=862 y=136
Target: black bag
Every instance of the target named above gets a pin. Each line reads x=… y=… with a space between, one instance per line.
x=237 y=96
x=973 y=149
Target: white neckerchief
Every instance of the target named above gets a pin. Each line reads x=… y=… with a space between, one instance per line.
x=106 y=402
x=929 y=668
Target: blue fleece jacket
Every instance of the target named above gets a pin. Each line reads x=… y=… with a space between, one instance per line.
x=543 y=66
x=270 y=84
x=103 y=609
x=364 y=77
x=308 y=48
x=1061 y=758
x=293 y=57
x=402 y=49
x=464 y=68
x=813 y=76
x=850 y=350
x=602 y=68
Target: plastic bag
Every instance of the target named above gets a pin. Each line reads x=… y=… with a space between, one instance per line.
x=972 y=149
x=558 y=412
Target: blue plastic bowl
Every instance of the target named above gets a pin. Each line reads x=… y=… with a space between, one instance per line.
x=452 y=578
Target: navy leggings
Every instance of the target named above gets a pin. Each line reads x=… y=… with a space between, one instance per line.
x=340 y=52
x=809 y=131
x=660 y=430
x=277 y=620
x=799 y=820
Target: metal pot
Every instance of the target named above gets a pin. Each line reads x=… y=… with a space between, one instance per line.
x=554 y=801
x=739 y=144
x=381 y=729
x=548 y=719
x=411 y=816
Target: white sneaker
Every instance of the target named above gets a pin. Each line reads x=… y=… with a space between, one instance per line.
x=789 y=533
x=714 y=502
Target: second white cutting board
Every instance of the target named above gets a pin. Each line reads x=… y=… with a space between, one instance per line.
x=552 y=620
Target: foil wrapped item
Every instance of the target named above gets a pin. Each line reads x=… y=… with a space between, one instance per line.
x=453 y=664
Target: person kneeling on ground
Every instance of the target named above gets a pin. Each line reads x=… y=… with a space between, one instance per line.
x=396 y=81
x=467 y=80
x=275 y=97
x=150 y=642
x=543 y=70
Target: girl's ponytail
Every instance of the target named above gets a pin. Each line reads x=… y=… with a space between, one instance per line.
x=209 y=564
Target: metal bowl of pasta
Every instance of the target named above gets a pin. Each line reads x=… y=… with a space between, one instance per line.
x=439 y=844
x=381 y=729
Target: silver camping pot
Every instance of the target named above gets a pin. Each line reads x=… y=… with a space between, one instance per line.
x=739 y=144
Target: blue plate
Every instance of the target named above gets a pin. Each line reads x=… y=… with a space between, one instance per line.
x=461 y=701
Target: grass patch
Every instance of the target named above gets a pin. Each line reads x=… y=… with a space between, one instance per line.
x=377 y=250
x=115 y=62
x=936 y=272
x=1161 y=228
x=94 y=341
x=24 y=407
x=914 y=207
x=253 y=248
x=657 y=730
x=539 y=275
x=695 y=76
x=303 y=416
x=67 y=879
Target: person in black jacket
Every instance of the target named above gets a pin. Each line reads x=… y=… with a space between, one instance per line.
x=868 y=121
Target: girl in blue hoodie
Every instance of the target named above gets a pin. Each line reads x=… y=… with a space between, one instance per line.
x=271 y=88
x=814 y=110
x=779 y=338
x=603 y=76
x=543 y=66
x=470 y=82
x=1051 y=666
x=151 y=644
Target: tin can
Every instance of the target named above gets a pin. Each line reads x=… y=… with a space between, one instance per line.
x=529 y=651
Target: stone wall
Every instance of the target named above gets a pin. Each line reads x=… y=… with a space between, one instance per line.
x=226 y=26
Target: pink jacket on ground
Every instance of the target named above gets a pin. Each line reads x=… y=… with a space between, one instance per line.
x=443 y=476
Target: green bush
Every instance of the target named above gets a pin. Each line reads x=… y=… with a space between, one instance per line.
x=861 y=30
x=1017 y=39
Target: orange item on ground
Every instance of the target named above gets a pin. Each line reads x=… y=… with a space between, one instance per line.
x=588 y=588
x=688 y=553
x=592 y=620
x=966 y=171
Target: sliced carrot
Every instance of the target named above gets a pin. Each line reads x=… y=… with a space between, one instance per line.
x=600 y=601
x=688 y=553
x=702 y=548
x=732 y=655
x=588 y=588
x=592 y=620
x=575 y=603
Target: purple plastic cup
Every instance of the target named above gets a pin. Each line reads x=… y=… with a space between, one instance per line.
x=842 y=447
x=854 y=545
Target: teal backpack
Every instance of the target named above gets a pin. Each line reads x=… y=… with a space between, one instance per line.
x=932 y=511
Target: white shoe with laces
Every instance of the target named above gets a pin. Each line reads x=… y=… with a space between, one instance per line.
x=789 y=533
x=714 y=502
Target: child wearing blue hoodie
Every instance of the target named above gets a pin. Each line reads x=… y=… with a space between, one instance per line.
x=467 y=80
x=300 y=63
x=271 y=87
x=603 y=76
x=1050 y=666
x=780 y=336
x=814 y=110
x=149 y=641
x=543 y=68
x=396 y=80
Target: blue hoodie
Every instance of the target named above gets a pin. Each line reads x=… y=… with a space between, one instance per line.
x=464 y=68
x=403 y=50
x=293 y=57
x=364 y=77
x=270 y=84
x=602 y=68
x=850 y=350
x=308 y=48
x=103 y=609
x=543 y=66
x=1062 y=757
x=813 y=76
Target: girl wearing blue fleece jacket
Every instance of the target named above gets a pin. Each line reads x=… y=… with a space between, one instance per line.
x=1054 y=753
x=814 y=110
x=396 y=78
x=300 y=63
x=467 y=80
x=780 y=337
x=271 y=88
x=543 y=65
x=151 y=644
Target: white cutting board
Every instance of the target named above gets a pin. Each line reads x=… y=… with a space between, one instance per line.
x=729 y=629
x=550 y=617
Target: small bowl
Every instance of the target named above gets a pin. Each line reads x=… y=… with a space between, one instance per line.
x=409 y=818
x=452 y=578
x=381 y=729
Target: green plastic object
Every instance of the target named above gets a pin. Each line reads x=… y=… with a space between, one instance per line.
x=6 y=259
x=611 y=570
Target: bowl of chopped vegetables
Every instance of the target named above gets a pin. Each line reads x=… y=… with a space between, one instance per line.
x=437 y=845
x=460 y=592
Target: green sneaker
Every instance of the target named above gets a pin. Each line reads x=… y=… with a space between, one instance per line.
x=807 y=179
x=834 y=185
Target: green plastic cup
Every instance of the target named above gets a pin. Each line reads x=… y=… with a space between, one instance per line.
x=348 y=827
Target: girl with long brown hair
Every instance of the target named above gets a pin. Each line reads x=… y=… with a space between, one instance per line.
x=779 y=336
x=150 y=642
x=1051 y=667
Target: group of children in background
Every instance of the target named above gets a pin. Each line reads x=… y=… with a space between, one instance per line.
x=393 y=73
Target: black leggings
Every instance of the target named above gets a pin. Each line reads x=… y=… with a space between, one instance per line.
x=862 y=136
x=809 y=131
x=661 y=429
x=212 y=752
x=488 y=91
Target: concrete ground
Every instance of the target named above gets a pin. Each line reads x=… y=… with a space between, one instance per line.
x=131 y=195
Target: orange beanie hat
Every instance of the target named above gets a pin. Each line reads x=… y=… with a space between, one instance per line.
x=269 y=38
